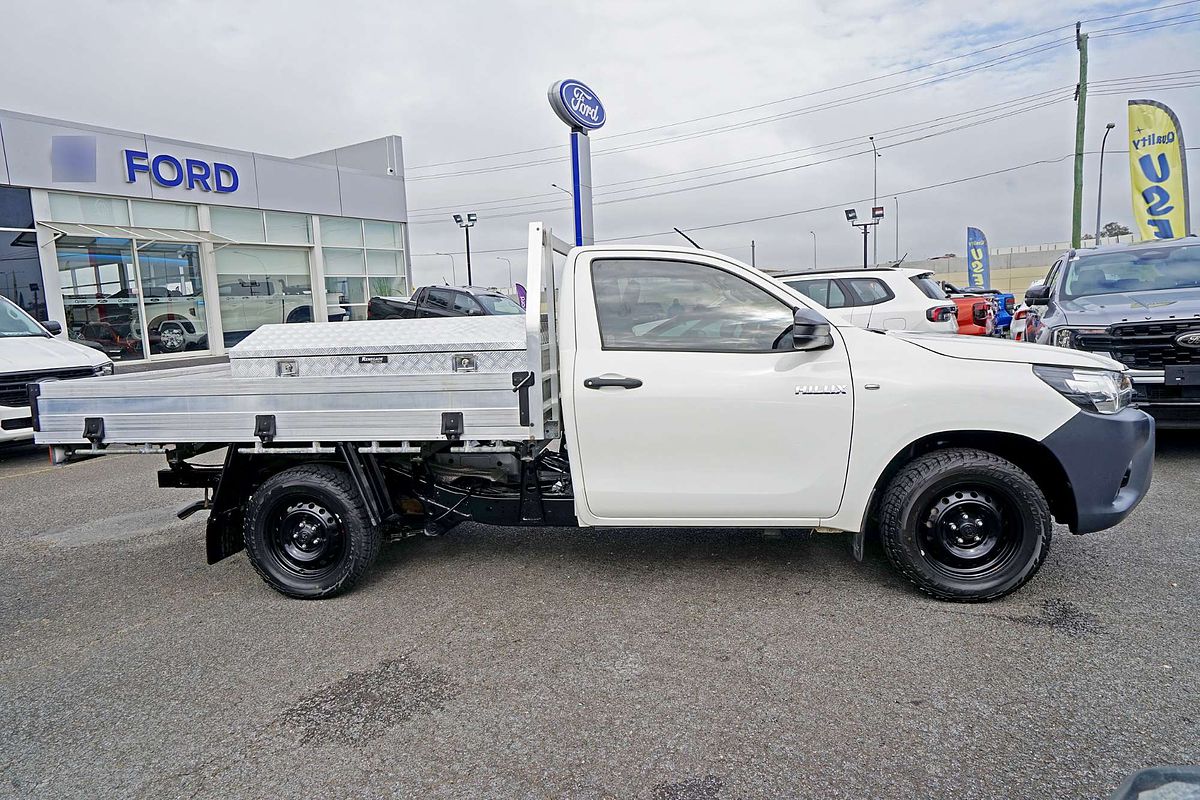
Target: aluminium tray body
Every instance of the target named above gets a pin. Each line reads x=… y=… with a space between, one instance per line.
x=388 y=380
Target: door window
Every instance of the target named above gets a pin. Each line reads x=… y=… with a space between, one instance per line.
x=648 y=304
x=465 y=304
x=869 y=291
x=438 y=298
x=824 y=291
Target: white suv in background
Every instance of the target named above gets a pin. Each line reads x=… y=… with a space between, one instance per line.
x=29 y=352
x=887 y=298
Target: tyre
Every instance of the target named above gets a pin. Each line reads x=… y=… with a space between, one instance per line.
x=964 y=525
x=308 y=534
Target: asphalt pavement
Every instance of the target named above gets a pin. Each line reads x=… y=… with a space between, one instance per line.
x=663 y=664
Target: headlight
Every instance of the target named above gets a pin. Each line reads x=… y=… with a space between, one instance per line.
x=103 y=369
x=1102 y=391
x=1068 y=337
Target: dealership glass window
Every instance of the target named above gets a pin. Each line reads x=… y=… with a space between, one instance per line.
x=341 y=232
x=345 y=276
x=284 y=228
x=382 y=234
x=385 y=274
x=100 y=294
x=21 y=272
x=172 y=294
x=15 y=209
x=262 y=285
x=239 y=224
x=88 y=208
x=152 y=214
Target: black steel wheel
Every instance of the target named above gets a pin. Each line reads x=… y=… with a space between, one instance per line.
x=965 y=525
x=308 y=534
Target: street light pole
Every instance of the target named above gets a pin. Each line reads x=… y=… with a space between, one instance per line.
x=466 y=224
x=875 y=191
x=897 y=199
x=1100 y=179
x=814 y=235
x=509 y=262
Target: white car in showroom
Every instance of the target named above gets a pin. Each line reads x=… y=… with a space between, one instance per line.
x=887 y=298
x=29 y=352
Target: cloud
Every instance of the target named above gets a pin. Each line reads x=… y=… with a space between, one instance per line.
x=463 y=80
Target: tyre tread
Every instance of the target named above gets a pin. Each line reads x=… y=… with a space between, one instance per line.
x=364 y=548
x=915 y=472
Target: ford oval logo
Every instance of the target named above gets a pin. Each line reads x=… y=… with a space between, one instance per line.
x=577 y=105
x=1188 y=339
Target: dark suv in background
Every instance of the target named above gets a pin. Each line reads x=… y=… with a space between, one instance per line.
x=1138 y=304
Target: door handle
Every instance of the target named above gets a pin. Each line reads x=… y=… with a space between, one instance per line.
x=600 y=383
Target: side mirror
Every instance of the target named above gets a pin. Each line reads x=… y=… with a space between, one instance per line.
x=52 y=327
x=810 y=331
x=1037 y=295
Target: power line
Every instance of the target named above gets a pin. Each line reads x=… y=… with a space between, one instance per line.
x=824 y=106
x=881 y=135
x=1141 y=11
x=814 y=209
x=981 y=121
x=813 y=93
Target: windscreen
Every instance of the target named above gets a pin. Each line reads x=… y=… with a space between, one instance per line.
x=498 y=304
x=1140 y=270
x=15 y=322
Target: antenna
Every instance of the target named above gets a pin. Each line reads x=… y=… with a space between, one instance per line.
x=690 y=239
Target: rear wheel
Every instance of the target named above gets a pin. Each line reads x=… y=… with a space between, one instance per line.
x=307 y=533
x=965 y=525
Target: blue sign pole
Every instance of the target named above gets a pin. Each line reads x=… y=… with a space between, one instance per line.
x=580 y=108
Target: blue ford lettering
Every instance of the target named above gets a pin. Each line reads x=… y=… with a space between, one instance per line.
x=169 y=171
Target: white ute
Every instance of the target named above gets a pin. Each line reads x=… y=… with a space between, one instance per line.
x=656 y=387
x=30 y=353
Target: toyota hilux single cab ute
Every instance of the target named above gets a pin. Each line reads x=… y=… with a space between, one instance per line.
x=643 y=387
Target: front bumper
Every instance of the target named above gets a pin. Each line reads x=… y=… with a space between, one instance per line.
x=16 y=424
x=1108 y=460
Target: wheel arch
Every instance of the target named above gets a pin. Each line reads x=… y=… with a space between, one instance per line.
x=1030 y=455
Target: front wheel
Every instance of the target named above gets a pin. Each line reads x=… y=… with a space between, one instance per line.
x=965 y=525
x=308 y=534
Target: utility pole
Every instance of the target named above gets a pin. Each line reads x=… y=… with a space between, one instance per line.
x=897 y=199
x=1080 y=113
x=752 y=254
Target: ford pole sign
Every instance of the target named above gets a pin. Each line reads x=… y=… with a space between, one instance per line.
x=577 y=105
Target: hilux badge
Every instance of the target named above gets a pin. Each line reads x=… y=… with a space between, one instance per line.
x=826 y=388
x=1188 y=339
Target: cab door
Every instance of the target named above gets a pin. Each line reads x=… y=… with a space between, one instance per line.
x=686 y=402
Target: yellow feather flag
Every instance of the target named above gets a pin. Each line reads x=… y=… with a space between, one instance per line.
x=1157 y=171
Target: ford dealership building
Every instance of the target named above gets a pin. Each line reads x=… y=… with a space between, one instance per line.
x=154 y=249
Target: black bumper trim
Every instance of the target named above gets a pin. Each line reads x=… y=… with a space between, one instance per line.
x=1109 y=460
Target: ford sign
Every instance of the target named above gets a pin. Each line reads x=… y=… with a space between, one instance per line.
x=577 y=105
x=1188 y=339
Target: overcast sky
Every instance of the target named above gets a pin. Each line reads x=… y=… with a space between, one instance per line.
x=466 y=80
